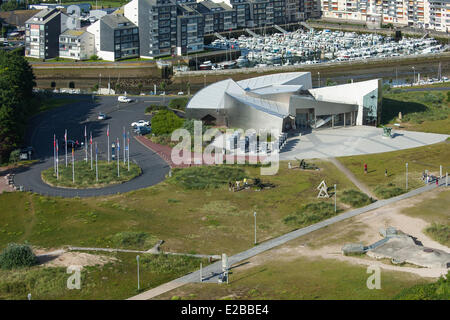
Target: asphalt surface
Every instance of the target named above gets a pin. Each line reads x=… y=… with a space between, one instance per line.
x=74 y=117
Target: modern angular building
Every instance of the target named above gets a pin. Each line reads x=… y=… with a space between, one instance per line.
x=42 y=34
x=116 y=37
x=286 y=101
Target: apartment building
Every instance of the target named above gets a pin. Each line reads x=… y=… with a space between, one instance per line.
x=157 y=22
x=190 y=26
x=42 y=33
x=218 y=17
x=427 y=14
x=76 y=44
x=116 y=37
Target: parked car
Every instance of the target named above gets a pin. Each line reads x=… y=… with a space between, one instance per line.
x=124 y=99
x=180 y=93
x=101 y=116
x=140 y=123
x=142 y=130
x=162 y=93
x=26 y=153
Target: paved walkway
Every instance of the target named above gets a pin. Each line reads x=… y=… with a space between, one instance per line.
x=356 y=140
x=211 y=272
x=352 y=177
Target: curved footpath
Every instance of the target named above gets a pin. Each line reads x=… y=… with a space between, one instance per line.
x=74 y=117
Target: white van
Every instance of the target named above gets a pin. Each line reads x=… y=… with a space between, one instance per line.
x=124 y=99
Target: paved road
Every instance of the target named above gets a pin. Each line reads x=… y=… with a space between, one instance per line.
x=74 y=117
x=211 y=272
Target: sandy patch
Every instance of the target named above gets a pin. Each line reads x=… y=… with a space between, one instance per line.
x=372 y=222
x=63 y=258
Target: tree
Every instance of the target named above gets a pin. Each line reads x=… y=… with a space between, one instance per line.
x=165 y=122
x=16 y=96
x=17 y=256
x=162 y=86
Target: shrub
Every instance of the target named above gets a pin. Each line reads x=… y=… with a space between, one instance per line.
x=388 y=191
x=440 y=233
x=154 y=107
x=133 y=239
x=14 y=156
x=165 y=122
x=17 y=256
x=310 y=213
x=439 y=290
x=94 y=57
x=178 y=103
x=355 y=198
x=206 y=176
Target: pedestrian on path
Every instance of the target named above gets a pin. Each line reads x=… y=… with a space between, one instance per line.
x=437 y=182
x=365 y=168
x=230 y=185
x=385 y=172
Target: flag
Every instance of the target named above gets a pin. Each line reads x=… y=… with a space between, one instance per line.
x=118 y=144
x=85 y=133
x=90 y=141
x=107 y=131
x=72 y=152
x=124 y=132
x=54 y=140
x=96 y=148
x=65 y=136
x=57 y=146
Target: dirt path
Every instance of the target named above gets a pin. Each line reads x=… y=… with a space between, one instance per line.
x=328 y=247
x=352 y=177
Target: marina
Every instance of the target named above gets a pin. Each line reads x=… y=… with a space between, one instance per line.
x=302 y=47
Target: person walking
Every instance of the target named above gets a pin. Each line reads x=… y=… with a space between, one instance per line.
x=229 y=185
x=385 y=172
x=365 y=168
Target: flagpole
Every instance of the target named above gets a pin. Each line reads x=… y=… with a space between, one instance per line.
x=96 y=167
x=128 y=138
x=57 y=161
x=107 y=133
x=91 y=150
x=54 y=152
x=85 y=143
x=118 y=156
x=73 y=166
x=65 y=138
x=124 y=144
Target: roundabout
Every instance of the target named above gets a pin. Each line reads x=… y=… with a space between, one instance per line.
x=82 y=176
x=75 y=117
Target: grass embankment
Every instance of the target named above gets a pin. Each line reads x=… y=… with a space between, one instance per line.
x=114 y=280
x=418 y=159
x=300 y=278
x=427 y=111
x=86 y=178
x=188 y=220
x=436 y=212
x=439 y=290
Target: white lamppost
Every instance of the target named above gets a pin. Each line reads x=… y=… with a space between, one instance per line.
x=414 y=77
x=407 y=176
x=318 y=75
x=335 y=207
x=137 y=260
x=254 y=214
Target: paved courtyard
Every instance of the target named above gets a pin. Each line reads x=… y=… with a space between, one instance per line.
x=356 y=140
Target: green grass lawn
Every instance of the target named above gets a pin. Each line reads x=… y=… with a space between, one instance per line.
x=436 y=212
x=115 y=280
x=419 y=159
x=302 y=278
x=86 y=178
x=189 y=220
x=427 y=111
